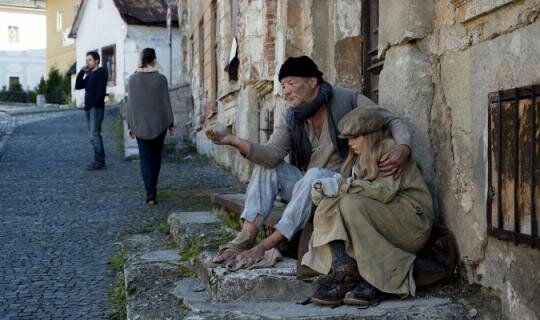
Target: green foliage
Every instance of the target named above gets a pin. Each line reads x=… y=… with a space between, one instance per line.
x=15 y=87
x=186 y=271
x=117 y=300
x=163 y=228
x=57 y=89
x=40 y=89
x=15 y=93
x=118 y=260
x=197 y=246
x=117 y=292
x=229 y=221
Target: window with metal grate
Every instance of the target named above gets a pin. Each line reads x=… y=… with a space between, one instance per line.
x=513 y=165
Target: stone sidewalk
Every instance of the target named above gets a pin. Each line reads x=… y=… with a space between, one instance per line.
x=60 y=223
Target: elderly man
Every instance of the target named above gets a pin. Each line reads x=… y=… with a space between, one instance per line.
x=307 y=132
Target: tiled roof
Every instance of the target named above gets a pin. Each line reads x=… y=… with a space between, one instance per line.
x=139 y=12
x=146 y=12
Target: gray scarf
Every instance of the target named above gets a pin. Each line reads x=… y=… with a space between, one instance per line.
x=296 y=119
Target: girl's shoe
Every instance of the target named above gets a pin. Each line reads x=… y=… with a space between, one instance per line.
x=151 y=200
x=364 y=294
x=335 y=285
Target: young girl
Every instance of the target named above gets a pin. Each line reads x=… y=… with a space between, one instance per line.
x=367 y=228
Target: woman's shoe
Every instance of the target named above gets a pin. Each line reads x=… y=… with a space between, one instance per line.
x=334 y=286
x=364 y=294
x=151 y=200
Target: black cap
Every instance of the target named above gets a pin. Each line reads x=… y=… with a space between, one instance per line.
x=299 y=67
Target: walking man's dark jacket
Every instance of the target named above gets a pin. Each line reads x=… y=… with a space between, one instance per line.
x=95 y=85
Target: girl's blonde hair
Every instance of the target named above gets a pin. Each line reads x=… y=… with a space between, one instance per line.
x=367 y=162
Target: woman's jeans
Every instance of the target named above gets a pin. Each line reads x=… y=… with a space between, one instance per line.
x=150 y=155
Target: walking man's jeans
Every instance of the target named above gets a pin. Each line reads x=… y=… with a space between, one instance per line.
x=94 y=119
x=293 y=187
x=150 y=154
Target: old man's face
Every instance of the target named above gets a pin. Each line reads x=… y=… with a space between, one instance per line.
x=299 y=90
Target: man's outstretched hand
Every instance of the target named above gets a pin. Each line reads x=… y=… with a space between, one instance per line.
x=391 y=164
x=219 y=137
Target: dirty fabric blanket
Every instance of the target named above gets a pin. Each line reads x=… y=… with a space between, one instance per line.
x=383 y=223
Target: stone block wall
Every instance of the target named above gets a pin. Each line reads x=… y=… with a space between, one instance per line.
x=442 y=58
x=267 y=31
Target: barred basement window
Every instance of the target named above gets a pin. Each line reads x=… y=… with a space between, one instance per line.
x=513 y=165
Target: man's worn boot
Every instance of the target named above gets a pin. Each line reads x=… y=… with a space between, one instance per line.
x=335 y=285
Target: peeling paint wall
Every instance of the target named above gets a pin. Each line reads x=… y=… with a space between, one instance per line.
x=268 y=32
x=442 y=58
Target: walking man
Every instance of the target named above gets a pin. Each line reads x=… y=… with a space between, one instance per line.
x=93 y=79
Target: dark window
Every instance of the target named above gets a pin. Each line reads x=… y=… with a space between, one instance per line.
x=268 y=124
x=513 y=165
x=200 y=54
x=213 y=52
x=13 y=82
x=232 y=60
x=371 y=65
x=108 y=55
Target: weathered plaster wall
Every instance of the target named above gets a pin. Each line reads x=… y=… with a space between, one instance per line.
x=442 y=58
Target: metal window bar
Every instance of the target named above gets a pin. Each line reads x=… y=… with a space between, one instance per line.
x=515 y=151
x=496 y=100
x=533 y=168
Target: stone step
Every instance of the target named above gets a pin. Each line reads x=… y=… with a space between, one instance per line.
x=150 y=272
x=278 y=283
x=191 y=293
x=202 y=229
x=232 y=204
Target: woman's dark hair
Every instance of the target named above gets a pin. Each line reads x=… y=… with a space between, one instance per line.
x=148 y=56
x=94 y=55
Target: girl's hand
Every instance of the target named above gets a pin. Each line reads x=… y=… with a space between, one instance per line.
x=172 y=131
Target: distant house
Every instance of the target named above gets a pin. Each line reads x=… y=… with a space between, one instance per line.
x=60 y=48
x=22 y=42
x=119 y=30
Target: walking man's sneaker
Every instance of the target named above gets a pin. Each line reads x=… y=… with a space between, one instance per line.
x=94 y=166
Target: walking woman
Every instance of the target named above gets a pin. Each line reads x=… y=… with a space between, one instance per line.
x=367 y=228
x=149 y=117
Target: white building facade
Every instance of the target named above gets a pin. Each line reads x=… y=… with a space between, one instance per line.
x=23 y=41
x=99 y=26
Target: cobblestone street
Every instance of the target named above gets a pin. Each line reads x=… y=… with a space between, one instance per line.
x=59 y=221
